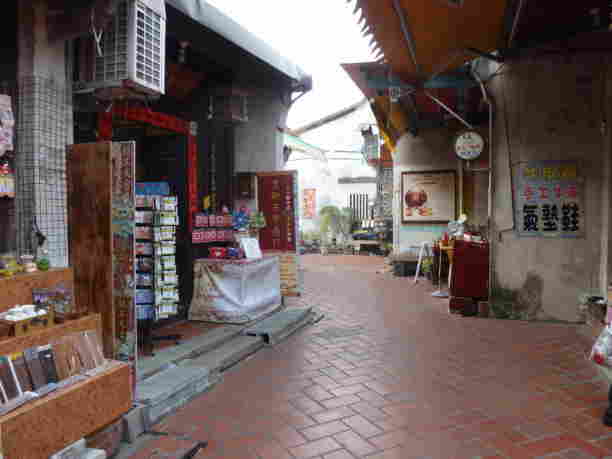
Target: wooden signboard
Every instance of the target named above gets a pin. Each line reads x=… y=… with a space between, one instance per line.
x=91 y=244
x=101 y=219
x=278 y=200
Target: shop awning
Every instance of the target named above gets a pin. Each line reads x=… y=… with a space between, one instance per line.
x=295 y=143
x=421 y=38
x=392 y=121
x=213 y=19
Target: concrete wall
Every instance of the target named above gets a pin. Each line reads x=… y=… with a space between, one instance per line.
x=259 y=144
x=553 y=108
x=313 y=173
x=428 y=152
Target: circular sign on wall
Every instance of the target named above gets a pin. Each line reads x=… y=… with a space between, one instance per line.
x=469 y=145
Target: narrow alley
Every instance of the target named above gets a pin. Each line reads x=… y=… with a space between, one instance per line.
x=387 y=374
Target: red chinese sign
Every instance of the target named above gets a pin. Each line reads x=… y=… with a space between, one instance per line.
x=309 y=203
x=277 y=202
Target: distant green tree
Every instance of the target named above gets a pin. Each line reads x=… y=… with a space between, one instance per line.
x=335 y=222
x=311 y=236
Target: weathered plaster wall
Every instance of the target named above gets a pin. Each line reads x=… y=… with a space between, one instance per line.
x=259 y=144
x=552 y=108
x=430 y=151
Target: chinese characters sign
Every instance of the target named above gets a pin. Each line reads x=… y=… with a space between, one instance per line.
x=309 y=203
x=277 y=200
x=549 y=199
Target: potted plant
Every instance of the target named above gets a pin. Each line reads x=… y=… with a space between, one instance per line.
x=427 y=268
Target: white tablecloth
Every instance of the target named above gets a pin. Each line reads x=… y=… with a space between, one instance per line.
x=235 y=291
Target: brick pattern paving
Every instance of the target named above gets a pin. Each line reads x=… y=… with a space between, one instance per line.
x=389 y=374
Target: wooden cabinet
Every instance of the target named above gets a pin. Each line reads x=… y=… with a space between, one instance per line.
x=470 y=270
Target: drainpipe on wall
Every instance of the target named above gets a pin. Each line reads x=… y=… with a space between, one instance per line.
x=488 y=100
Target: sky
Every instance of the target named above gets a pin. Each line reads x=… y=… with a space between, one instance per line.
x=318 y=36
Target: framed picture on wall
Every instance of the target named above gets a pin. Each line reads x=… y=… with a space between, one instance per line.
x=429 y=196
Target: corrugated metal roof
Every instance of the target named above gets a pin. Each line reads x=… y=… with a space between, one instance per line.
x=213 y=19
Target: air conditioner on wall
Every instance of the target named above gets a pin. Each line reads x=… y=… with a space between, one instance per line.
x=131 y=60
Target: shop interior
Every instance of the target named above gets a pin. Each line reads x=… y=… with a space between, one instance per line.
x=161 y=157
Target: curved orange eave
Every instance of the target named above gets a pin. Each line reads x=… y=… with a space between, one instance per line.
x=441 y=31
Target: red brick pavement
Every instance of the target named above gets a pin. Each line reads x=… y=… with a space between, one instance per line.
x=389 y=374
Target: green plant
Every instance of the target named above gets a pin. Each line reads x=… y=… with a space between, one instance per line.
x=502 y=304
x=257 y=221
x=311 y=236
x=427 y=265
x=335 y=222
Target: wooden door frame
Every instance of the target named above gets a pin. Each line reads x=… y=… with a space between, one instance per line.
x=162 y=121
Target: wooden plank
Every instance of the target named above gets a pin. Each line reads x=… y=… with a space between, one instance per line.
x=45 y=336
x=43 y=427
x=89 y=208
x=274 y=174
x=18 y=289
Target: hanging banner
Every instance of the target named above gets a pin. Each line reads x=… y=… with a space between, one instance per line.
x=549 y=200
x=309 y=203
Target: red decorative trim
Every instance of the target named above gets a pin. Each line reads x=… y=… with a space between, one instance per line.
x=105 y=126
x=192 y=171
x=163 y=121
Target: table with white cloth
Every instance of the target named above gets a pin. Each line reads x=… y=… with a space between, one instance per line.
x=235 y=291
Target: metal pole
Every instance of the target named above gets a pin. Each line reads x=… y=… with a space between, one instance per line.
x=406 y=31
x=490 y=208
x=517 y=17
x=449 y=110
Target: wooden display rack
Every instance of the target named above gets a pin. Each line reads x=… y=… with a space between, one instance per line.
x=18 y=288
x=42 y=427
x=31 y=325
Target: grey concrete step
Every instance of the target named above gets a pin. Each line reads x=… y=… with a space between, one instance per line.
x=191 y=348
x=164 y=392
x=165 y=386
x=223 y=357
x=281 y=324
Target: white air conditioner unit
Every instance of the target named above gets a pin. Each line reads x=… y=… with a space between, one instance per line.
x=133 y=57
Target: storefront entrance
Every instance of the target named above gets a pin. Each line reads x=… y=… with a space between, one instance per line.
x=164 y=166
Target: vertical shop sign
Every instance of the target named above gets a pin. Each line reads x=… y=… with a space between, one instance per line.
x=123 y=155
x=277 y=200
x=309 y=203
x=549 y=200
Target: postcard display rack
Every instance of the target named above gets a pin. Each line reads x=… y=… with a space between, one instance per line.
x=157 y=295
